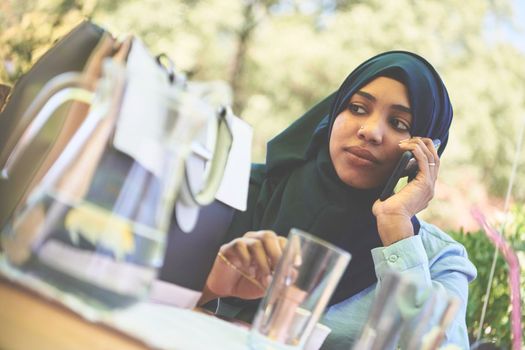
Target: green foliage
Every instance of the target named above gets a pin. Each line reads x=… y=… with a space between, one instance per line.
x=496 y=326
x=28 y=28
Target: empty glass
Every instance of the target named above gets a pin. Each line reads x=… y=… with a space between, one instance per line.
x=385 y=319
x=302 y=285
x=398 y=313
x=427 y=330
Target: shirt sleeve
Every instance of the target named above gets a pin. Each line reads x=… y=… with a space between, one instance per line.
x=440 y=268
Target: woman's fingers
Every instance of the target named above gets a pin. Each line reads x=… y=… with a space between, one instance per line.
x=258 y=251
x=244 y=266
x=259 y=257
x=282 y=242
x=271 y=244
x=431 y=149
x=425 y=154
x=237 y=252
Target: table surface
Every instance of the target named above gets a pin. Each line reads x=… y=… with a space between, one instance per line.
x=45 y=320
x=52 y=319
x=29 y=321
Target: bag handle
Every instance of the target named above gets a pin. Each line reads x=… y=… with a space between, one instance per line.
x=103 y=101
x=223 y=143
x=213 y=179
x=70 y=86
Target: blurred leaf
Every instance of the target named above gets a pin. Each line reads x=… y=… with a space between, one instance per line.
x=497 y=319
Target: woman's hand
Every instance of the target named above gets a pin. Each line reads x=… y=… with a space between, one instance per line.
x=393 y=215
x=243 y=267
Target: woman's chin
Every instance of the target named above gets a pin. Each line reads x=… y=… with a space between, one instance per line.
x=359 y=179
x=361 y=183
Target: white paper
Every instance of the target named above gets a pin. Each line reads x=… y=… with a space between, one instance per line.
x=165 y=327
x=318 y=336
x=163 y=292
x=141 y=124
x=233 y=190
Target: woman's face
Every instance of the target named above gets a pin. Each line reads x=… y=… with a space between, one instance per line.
x=365 y=136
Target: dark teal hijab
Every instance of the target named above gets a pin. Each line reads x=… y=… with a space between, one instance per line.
x=298 y=186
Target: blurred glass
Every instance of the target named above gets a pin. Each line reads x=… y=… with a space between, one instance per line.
x=397 y=314
x=96 y=225
x=431 y=323
x=302 y=285
x=385 y=320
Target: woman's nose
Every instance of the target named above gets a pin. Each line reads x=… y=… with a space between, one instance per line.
x=371 y=131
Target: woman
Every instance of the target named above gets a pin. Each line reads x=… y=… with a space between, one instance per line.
x=324 y=175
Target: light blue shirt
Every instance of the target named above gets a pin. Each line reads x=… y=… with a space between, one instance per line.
x=434 y=261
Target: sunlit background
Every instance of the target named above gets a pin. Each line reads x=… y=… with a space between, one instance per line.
x=281 y=56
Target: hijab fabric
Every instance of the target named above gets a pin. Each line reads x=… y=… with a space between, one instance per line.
x=298 y=186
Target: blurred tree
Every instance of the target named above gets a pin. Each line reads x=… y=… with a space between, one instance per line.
x=253 y=12
x=281 y=56
x=28 y=28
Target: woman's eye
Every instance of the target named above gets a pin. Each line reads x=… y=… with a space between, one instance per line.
x=356 y=109
x=399 y=124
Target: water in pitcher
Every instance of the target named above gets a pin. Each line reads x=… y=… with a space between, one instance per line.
x=90 y=251
x=106 y=246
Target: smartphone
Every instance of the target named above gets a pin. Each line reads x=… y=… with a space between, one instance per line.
x=407 y=166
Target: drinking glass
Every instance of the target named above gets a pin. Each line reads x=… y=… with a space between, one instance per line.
x=397 y=314
x=435 y=317
x=385 y=320
x=302 y=285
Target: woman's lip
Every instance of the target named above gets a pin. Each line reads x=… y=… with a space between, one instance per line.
x=362 y=153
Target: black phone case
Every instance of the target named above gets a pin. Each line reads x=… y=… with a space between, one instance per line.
x=396 y=175
x=403 y=169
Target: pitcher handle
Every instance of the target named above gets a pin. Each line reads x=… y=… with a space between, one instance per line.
x=59 y=90
x=222 y=148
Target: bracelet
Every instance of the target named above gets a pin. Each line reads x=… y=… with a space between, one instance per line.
x=243 y=274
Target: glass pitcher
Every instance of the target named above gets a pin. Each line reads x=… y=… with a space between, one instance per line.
x=96 y=225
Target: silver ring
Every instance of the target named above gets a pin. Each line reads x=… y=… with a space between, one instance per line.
x=431 y=164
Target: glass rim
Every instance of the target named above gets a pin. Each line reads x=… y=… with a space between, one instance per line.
x=318 y=240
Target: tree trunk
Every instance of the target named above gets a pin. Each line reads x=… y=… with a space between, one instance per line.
x=239 y=60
